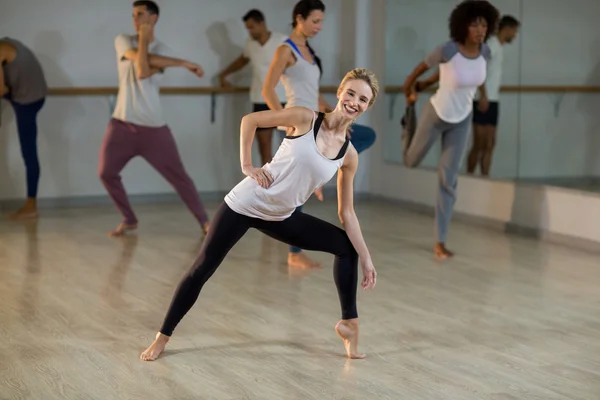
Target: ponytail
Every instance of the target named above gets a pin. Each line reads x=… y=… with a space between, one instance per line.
x=317 y=59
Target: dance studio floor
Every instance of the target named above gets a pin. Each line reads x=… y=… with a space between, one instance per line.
x=508 y=318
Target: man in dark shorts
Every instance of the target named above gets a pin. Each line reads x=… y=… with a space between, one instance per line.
x=486 y=108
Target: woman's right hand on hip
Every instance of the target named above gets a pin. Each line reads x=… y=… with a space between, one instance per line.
x=260 y=175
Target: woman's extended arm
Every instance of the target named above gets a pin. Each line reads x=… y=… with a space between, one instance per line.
x=276 y=68
x=425 y=83
x=409 y=83
x=349 y=219
x=433 y=59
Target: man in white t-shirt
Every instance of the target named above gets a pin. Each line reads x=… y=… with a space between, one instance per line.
x=486 y=108
x=137 y=127
x=259 y=50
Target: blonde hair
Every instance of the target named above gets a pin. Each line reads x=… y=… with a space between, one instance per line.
x=364 y=75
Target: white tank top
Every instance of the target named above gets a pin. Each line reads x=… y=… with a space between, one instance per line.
x=301 y=81
x=298 y=169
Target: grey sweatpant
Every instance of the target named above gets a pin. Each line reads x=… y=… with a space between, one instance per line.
x=455 y=138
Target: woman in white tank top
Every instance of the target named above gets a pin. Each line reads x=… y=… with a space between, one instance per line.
x=296 y=65
x=314 y=150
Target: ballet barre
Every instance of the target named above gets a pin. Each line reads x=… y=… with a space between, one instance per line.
x=396 y=90
x=203 y=90
x=523 y=89
x=212 y=91
x=167 y=90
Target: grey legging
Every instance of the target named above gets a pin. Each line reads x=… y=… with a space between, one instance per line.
x=455 y=137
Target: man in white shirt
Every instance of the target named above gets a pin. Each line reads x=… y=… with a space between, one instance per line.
x=258 y=51
x=486 y=108
x=137 y=127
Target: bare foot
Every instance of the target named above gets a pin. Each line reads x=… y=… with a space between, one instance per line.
x=121 y=229
x=301 y=260
x=319 y=193
x=205 y=228
x=28 y=211
x=441 y=252
x=347 y=329
x=157 y=347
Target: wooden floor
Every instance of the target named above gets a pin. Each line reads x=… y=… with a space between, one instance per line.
x=508 y=318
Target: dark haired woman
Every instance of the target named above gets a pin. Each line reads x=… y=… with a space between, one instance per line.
x=462 y=65
x=299 y=69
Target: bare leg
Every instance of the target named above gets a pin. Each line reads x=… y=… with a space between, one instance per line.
x=488 y=149
x=476 y=149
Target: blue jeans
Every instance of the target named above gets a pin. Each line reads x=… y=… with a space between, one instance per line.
x=362 y=137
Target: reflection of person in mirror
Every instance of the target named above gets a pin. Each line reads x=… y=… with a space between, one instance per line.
x=462 y=65
x=23 y=84
x=486 y=108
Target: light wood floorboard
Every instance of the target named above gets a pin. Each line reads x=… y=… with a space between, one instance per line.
x=508 y=318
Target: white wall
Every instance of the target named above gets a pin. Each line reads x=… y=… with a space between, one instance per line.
x=540 y=135
x=74 y=42
x=532 y=138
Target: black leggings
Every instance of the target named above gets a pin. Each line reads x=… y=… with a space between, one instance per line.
x=300 y=229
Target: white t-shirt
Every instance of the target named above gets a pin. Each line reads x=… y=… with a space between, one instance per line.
x=494 y=70
x=260 y=59
x=460 y=76
x=138 y=101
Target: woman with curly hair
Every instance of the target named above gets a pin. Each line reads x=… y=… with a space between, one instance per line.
x=462 y=65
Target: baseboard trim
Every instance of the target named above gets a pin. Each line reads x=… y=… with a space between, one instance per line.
x=104 y=200
x=506 y=227
x=329 y=192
